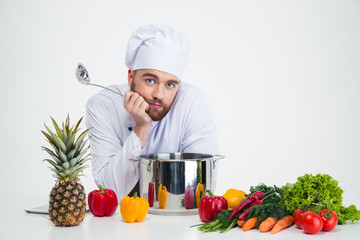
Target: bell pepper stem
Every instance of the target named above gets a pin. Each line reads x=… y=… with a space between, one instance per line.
x=101 y=189
x=135 y=195
x=210 y=192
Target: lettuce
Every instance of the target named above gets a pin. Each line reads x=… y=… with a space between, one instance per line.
x=308 y=188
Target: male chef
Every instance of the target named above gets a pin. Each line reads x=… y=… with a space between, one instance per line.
x=158 y=113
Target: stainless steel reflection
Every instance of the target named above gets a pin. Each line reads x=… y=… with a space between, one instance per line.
x=176 y=171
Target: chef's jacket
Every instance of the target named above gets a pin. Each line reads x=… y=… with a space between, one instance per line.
x=188 y=127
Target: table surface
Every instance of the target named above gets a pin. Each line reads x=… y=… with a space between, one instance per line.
x=23 y=225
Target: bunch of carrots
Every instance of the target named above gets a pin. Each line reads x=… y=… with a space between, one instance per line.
x=269 y=224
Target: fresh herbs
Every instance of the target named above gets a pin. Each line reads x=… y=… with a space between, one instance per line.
x=306 y=191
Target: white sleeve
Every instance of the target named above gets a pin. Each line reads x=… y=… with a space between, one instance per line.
x=110 y=156
x=200 y=128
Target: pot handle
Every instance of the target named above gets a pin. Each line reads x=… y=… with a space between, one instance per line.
x=135 y=160
x=218 y=157
x=148 y=165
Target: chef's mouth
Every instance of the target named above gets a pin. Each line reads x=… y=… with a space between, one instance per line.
x=154 y=105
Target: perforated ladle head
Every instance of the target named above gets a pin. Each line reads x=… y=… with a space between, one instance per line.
x=82 y=76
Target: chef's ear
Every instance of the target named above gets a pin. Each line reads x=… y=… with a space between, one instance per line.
x=130 y=76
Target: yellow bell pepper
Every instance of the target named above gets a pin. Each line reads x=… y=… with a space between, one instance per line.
x=234 y=197
x=162 y=194
x=199 y=193
x=134 y=209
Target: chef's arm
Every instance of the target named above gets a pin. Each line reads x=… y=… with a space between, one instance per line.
x=136 y=106
x=110 y=162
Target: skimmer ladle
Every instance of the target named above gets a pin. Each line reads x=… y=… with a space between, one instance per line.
x=83 y=76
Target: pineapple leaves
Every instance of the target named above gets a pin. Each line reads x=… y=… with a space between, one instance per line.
x=67 y=124
x=53 y=137
x=78 y=124
x=71 y=140
x=65 y=137
x=66 y=165
x=82 y=154
x=48 y=137
x=55 y=148
x=61 y=144
x=81 y=146
x=53 y=163
x=62 y=156
x=80 y=169
x=68 y=151
x=84 y=160
x=52 y=154
x=72 y=162
x=81 y=137
x=71 y=153
x=57 y=128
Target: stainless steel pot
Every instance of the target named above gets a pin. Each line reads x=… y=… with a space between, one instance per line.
x=181 y=174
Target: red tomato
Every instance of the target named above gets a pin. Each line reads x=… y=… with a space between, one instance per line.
x=311 y=222
x=329 y=218
x=297 y=217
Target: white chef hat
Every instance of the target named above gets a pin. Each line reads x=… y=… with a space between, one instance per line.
x=159 y=47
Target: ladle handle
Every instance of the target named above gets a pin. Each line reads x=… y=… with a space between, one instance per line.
x=105 y=88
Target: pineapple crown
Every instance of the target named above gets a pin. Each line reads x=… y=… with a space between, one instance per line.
x=68 y=151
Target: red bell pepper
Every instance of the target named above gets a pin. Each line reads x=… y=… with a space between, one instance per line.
x=211 y=206
x=102 y=202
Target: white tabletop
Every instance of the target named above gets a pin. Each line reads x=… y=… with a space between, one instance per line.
x=22 y=225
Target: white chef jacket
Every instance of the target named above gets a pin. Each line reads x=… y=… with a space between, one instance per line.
x=188 y=127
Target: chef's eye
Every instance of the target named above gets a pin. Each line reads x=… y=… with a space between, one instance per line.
x=170 y=85
x=150 y=81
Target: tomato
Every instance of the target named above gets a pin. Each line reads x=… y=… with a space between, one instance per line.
x=329 y=218
x=297 y=217
x=311 y=222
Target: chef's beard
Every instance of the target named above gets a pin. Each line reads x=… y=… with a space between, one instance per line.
x=154 y=113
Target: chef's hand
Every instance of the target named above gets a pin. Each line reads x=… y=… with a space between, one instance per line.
x=137 y=107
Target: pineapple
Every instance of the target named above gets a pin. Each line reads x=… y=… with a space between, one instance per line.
x=67 y=205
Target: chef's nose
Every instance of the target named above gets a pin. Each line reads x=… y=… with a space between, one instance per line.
x=158 y=92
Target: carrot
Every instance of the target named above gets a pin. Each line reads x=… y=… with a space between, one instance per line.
x=282 y=223
x=267 y=224
x=249 y=224
x=240 y=222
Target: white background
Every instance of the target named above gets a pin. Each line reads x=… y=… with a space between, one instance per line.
x=283 y=78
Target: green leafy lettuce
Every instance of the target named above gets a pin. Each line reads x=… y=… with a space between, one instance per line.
x=309 y=189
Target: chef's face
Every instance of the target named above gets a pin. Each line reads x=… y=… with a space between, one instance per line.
x=158 y=88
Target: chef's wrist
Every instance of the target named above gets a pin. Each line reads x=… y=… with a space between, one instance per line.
x=142 y=132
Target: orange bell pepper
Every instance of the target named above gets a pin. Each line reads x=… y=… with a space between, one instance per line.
x=162 y=194
x=134 y=209
x=199 y=193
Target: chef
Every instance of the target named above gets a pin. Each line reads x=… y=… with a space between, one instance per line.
x=158 y=113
